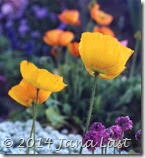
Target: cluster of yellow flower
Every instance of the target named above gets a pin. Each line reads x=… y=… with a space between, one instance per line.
x=35 y=79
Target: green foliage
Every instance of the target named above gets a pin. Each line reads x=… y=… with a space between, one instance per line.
x=54 y=116
x=113 y=97
x=4 y=43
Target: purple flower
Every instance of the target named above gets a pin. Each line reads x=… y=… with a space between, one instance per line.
x=39 y=12
x=97 y=126
x=35 y=34
x=2 y=78
x=9 y=24
x=28 y=48
x=18 y=3
x=124 y=122
x=14 y=8
x=91 y=136
x=105 y=135
x=97 y=137
x=62 y=26
x=116 y=132
x=138 y=135
x=1 y=16
x=124 y=43
x=7 y=9
x=23 y=28
x=53 y=17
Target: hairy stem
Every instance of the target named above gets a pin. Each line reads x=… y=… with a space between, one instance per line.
x=28 y=149
x=90 y=107
x=34 y=121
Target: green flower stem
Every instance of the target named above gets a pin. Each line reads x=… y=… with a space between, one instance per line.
x=58 y=56
x=34 y=120
x=90 y=107
x=137 y=46
x=33 y=129
x=92 y=152
x=28 y=149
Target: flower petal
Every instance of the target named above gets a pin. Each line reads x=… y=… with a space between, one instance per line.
x=52 y=37
x=65 y=38
x=70 y=17
x=25 y=94
x=41 y=78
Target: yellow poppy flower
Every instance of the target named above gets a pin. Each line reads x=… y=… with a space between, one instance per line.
x=41 y=78
x=103 y=54
x=25 y=94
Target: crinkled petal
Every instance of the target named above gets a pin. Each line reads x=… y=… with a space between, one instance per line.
x=24 y=93
x=41 y=78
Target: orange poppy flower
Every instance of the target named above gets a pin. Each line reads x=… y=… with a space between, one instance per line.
x=74 y=49
x=25 y=94
x=41 y=78
x=93 y=9
x=104 y=30
x=65 y=38
x=70 y=17
x=103 y=55
x=101 y=17
x=57 y=37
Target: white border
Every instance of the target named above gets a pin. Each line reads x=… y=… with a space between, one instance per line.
x=143 y=82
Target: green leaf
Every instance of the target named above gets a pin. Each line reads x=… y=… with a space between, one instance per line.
x=55 y=118
x=52 y=102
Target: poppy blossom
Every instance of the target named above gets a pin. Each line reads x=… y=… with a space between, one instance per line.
x=104 y=30
x=41 y=78
x=25 y=94
x=93 y=9
x=70 y=17
x=57 y=37
x=74 y=49
x=103 y=55
x=101 y=17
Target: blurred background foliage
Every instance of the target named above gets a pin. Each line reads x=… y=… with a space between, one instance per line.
x=21 y=38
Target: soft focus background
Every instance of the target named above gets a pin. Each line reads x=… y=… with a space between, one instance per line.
x=22 y=26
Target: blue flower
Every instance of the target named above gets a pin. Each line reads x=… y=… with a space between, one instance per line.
x=40 y=12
